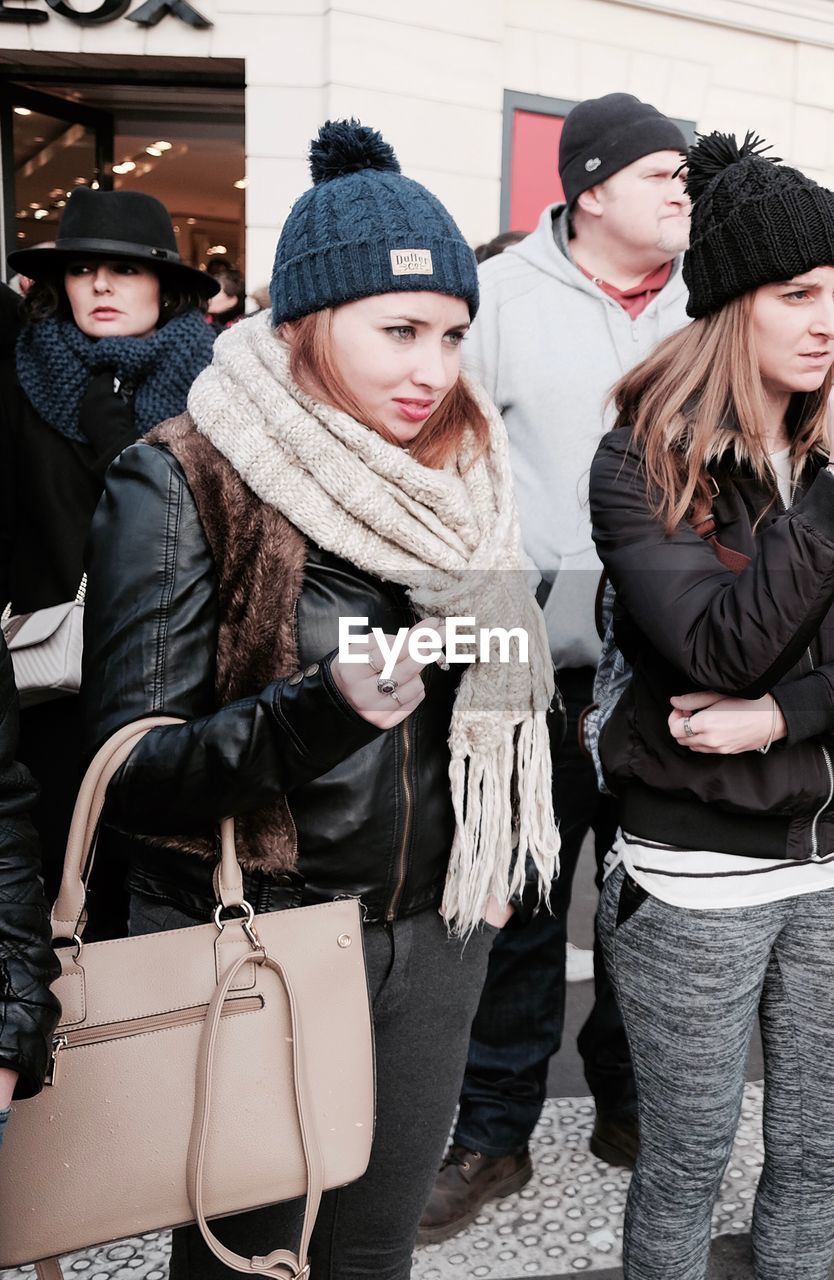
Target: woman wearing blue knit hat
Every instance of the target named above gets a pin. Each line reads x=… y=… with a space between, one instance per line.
x=335 y=470
x=113 y=337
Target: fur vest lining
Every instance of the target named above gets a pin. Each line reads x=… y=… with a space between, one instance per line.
x=259 y=559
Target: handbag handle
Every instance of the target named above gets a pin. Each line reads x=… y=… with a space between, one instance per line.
x=68 y=915
x=281 y=1264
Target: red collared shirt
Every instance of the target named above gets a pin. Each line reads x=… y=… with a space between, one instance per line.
x=637 y=298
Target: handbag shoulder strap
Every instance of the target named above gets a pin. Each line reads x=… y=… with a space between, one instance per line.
x=281 y=1264
x=68 y=912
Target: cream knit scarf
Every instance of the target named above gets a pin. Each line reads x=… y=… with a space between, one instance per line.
x=450 y=537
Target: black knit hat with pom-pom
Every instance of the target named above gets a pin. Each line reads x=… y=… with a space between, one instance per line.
x=754 y=221
x=362 y=229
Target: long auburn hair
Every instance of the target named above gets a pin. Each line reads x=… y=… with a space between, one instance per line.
x=312 y=367
x=698 y=396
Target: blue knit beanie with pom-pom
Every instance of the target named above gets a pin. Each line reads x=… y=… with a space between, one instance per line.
x=362 y=229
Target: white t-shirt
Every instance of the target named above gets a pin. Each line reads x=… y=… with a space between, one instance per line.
x=705 y=879
x=701 y=879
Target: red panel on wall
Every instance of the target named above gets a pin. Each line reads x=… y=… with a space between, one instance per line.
x=534 y=180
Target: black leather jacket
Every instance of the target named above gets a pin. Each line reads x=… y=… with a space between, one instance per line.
x=28 y=1009
x=372 y=809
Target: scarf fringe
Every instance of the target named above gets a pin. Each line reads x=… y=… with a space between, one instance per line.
x=485 y=859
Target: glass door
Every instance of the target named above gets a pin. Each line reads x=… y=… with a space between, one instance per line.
x=48 y=146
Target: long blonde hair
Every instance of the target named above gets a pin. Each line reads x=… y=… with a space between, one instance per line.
x=698 y=396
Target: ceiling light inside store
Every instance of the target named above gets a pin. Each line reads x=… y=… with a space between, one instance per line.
x=241 y=184
x=127 y=166
x=192 y=222
x=34 y=205
x=162 y=145
x=21 y=235
x=94 y=186
x=153 y=151
x=41 y=213
x=22 y=111
x=216 y=248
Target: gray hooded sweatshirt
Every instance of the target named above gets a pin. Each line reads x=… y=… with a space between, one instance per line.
x=548 y=346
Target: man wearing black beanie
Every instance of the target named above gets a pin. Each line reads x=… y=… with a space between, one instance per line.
x=563 y=315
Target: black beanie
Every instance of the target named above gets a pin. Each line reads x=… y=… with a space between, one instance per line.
x=603 y=135
x=754 y=221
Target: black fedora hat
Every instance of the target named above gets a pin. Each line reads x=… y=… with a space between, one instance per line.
x=113 y=224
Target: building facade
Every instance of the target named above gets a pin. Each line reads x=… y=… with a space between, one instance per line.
x=470 y=92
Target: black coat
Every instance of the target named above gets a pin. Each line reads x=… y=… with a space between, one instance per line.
x=372 y=809
x=50 y=488
x=28 y=1009
x=685 y=622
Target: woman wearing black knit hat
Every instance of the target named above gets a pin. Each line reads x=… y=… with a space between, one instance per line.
x=713 y=512
x=114 y=335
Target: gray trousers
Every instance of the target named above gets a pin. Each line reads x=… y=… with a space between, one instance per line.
x=690 y=984
x=425 y=989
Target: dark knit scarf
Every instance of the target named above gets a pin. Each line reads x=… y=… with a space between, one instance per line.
x=55 y=362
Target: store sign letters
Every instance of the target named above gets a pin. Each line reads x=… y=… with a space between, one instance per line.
x=147 y=15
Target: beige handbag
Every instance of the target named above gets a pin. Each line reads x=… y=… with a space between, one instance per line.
x=46 y=649
x=195 y=1073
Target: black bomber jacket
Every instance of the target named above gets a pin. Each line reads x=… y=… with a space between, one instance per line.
x=372 y=809
x=686 y=622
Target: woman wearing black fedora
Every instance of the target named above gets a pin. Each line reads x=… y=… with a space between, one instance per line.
x=114 y=335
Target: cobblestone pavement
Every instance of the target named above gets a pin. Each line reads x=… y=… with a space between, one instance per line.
x=567 y=1221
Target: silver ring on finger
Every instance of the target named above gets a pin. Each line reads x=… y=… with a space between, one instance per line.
x=396 y=697
x=687 y=727
x=376 y=670
x=387 y=684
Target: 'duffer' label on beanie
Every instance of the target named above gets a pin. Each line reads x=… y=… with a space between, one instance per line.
x=411 y=262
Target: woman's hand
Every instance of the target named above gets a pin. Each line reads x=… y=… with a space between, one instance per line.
x=495 y=914
x=358 y=682
x=725 y=726
x=8 y=1080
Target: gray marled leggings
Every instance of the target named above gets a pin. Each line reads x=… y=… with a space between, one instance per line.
x=689 y=985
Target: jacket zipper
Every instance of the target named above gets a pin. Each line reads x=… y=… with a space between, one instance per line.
x=407 y=814
x=815 y=845
x=110 y=1031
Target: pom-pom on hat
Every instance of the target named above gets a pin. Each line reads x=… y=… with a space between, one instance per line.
x=362 y=229
x=755 y=221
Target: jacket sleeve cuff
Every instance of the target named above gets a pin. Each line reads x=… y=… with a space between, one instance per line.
x=323 y=727
x=817 y=507
x=807 y=705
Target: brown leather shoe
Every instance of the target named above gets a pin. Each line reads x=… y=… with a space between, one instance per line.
x=467 y=1180
x=616 y=1140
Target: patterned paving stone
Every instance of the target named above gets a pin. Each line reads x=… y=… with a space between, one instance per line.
x=566 y=1222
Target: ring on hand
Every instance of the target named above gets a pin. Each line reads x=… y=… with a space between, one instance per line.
x=687 y=727
x=376 y=670
x=386 y=684
x=396 y=697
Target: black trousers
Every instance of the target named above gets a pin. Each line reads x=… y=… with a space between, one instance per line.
x=424 y=988
x=521 y=1015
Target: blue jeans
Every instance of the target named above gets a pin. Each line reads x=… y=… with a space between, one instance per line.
x=4 y=1115
x=521 y=1015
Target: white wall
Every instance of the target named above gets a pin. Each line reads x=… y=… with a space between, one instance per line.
x=431 y=75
